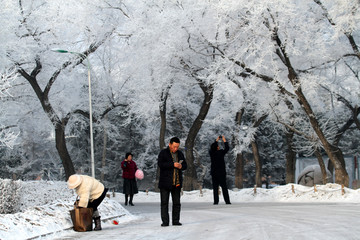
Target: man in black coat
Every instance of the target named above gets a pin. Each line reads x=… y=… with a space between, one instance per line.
x=171 y=162
x=218 y=169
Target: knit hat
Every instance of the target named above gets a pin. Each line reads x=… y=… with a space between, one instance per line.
x=74 y=181
x=128 y=154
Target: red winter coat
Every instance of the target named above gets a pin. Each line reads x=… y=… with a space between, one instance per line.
x=129 y=169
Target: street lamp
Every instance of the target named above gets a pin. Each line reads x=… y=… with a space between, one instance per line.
x=90 y=108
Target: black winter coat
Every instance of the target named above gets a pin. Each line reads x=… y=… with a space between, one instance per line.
x=166 y=165
x=218 y=168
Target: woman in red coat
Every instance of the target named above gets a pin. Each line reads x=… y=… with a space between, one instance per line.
x=130 y=187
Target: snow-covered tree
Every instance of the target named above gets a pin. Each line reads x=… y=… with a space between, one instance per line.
x=7 y=134
x=184 y=68
x=265 y=44
x=76 y=26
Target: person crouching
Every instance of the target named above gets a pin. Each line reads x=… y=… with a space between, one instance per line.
x=91 y=193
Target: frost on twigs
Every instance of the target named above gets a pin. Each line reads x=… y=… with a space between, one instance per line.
x=9 y=197
x=7 y=135
x=6 y=80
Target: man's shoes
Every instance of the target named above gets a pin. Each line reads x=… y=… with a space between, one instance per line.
x=215 y=203
x=177 y=224
x=131 y=204
x=228 y=203
x=164 y=225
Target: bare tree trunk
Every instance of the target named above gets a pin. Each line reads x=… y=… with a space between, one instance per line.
x=255 y=149
x=330 y=167
x=239 y=162
x=162 y=109
x=322 y=166
x=341 y=175
x=162 y=128
x=201 y=166
x=290 y=158
x=161 y=143
x=190 y=176
x=239 y=171
x=258 y=164
x=62 y=150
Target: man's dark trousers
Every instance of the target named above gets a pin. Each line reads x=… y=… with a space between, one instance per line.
x=176 y=206
x=216 y=182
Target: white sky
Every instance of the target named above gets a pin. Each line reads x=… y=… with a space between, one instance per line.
x=269 y=214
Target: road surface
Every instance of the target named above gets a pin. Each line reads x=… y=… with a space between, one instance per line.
x=240 y=221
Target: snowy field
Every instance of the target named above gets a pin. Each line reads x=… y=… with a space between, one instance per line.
x=286 y=211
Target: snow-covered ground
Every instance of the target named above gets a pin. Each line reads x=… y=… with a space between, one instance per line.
x=46 y=205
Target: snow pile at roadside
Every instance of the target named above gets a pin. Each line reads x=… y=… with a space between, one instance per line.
x=51 y=218
x=38 y=193
x=323 y=193
x=45 y=209
x=320 y=193
x=298 y=193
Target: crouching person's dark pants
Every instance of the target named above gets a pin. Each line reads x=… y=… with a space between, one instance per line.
x=95 y=203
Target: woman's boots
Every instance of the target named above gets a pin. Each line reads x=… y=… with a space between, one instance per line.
x=131 y=198
x=97 y=220
x=97 y=224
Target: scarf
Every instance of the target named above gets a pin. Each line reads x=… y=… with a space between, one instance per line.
x=176 y=179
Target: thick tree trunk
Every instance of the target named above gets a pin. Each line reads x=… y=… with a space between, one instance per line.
x=290 y=158
x=162 y=129
x=330 y=167
x=239 y=171
x=162 y=110
x=239 y=162
x=255 y=149
x=190 y=176
x=341 y=175
x=62 y=150
x=258 y=164
x=161 y=143
x=322 y=166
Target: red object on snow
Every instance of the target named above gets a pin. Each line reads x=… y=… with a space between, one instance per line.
x=139 y=174
x=115 y=222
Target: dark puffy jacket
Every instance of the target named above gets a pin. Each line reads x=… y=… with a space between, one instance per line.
x=166 y=165
x=218 y=168
x=129 y=169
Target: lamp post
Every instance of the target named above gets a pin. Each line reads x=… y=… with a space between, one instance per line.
x=90 y=108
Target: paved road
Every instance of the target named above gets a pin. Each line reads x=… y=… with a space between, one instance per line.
x=259 y=221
